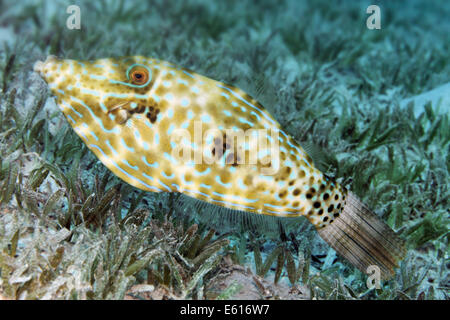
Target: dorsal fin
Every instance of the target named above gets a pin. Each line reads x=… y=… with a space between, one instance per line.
x=320 y=158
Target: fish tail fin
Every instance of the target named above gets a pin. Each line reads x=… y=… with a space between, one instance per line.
x=364 y=239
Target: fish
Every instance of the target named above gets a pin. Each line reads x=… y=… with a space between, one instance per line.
x=164 y=128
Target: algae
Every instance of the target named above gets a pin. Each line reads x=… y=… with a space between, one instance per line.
x=71 y=230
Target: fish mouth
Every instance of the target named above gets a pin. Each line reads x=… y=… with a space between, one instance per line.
x=43 y=67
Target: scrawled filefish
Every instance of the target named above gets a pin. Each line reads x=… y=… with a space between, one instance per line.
x=163 y=128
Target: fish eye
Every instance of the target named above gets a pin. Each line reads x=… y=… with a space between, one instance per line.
x=139 y=75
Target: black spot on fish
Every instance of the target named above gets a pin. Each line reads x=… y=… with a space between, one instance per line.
x=152 y=114
x=301 y=173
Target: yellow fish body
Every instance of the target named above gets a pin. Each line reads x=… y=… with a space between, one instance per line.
x=163 y=128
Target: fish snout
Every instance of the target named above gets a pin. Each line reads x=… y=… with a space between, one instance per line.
x=47 y=66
